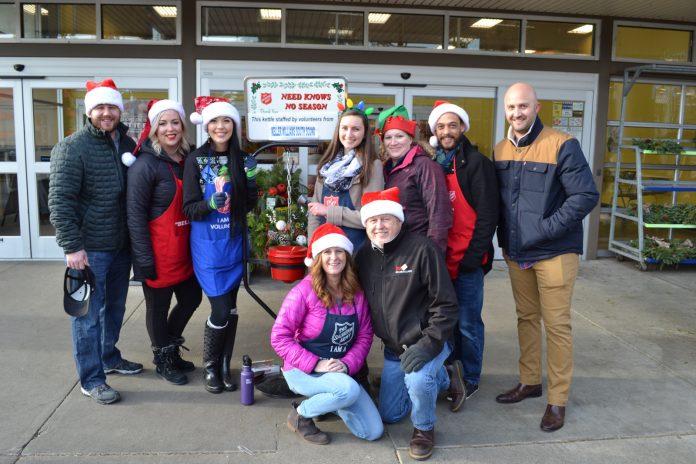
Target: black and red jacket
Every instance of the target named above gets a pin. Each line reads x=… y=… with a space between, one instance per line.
x=477 y=180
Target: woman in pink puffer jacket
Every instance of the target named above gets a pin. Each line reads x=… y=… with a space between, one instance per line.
x=323 y=333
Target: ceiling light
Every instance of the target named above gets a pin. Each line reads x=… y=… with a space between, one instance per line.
x=584 y=29
x=378 y=18
x=530 y=51
x=344 y=32
x=269 y=14
x=30 y=8
x=486 y=23
x=165 y=11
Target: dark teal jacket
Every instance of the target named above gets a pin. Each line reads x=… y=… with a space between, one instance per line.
x=87 y=190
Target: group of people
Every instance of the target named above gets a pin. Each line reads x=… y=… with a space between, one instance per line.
x=175 y=214
x=400 y=243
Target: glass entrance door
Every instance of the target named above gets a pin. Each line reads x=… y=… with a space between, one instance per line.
x=14 y=227
x=48 y=111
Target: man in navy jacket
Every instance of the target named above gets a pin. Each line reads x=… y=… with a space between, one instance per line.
x=546 y=189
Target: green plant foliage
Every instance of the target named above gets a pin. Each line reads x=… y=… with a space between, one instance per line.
x=666 y=214
x=666 y=251
x=659 y=146
x=263 y=233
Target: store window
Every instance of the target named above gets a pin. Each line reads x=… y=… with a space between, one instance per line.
x=241 y=25
x=407 y=30
x=7 y=24
x=653 y=111
x=559 y=38
x=59 y=21
x=653 y=44
x=324 y=27
x=484 y=34
x=139 y=22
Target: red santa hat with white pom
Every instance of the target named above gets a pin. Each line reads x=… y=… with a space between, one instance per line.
x=441 y=107
x=383 y=202
x=102 y=93
x=209 y=108
x=154 y=108
x=327 y=236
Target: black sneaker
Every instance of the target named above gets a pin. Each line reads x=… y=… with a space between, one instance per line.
x=124 y=367
x=471 y=389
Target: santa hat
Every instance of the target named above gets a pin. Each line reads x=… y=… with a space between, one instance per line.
x=395 y=117
x=441 y=107
x=209 y=108
x=154 y=108
x=384 y=202
x=327 y=236
x=102 y=93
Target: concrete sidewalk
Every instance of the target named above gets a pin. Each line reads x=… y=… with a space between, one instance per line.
x=633 y=398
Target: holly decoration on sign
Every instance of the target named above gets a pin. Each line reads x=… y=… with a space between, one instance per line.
x=338 y=86
x=255 y=86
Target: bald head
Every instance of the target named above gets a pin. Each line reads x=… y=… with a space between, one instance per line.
x=521 y=107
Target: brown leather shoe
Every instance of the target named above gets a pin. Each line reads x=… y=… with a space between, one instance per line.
x=553 y=418
x=456 y=392
x=305 y=428
x=520 y=392
x=421 y=446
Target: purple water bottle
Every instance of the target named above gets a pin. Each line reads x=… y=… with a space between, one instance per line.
x=246 y=382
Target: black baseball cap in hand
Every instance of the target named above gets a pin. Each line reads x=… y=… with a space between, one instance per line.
x=77 y=288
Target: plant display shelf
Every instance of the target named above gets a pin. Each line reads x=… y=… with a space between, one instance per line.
x=623 y=248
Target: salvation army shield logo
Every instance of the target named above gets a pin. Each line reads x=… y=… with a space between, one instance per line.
x=343 y=333
x=266 y=98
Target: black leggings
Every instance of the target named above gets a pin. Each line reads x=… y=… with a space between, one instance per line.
x=157 y=300
x=221 y=305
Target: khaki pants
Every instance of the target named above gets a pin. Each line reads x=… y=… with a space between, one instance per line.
x=544 y=292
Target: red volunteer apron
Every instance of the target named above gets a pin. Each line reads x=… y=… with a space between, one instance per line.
x=462 y=230
x=169 y=234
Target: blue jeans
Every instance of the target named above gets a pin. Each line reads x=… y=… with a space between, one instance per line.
x=339 y=393
x=96 y=333
x=417 y=392
x=468 y=340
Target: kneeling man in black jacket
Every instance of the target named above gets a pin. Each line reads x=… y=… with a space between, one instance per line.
x=414 y=311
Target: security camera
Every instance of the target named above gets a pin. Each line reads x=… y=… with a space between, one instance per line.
x=405 y=75
x=19 y=67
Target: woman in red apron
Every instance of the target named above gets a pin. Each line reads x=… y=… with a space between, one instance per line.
x=159 y=234
x=219 y=190
x=347 y=169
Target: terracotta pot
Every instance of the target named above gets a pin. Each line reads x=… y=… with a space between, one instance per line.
x=287 y=262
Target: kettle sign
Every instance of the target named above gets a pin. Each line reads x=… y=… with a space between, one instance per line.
x=266 y=98
x=343 y=333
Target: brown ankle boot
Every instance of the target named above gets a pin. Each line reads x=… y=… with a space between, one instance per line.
x=422 y=443
x=305 y=428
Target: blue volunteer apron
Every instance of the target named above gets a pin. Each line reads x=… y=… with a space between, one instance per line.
x=331 y=197
x=217 y=255
x=336 y=337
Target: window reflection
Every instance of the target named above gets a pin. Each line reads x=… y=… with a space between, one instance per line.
x=8 y=148
x=501 y=35
x=559 y=38
x=324 y=28
x=241 y=25
x=405 y=30
x=9 y=205
x=58 y=21
x=135 y=22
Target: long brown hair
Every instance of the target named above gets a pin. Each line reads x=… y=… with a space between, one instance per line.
x=363 y=151
x=348 y=282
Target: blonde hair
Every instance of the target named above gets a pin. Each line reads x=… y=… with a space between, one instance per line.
x=348 y=283
x=184 y=146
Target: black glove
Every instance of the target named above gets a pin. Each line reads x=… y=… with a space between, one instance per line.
x=149 y=272
x=250 y=167
x=217 y=200
x=413 y=359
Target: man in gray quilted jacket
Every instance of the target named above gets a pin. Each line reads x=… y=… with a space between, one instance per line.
x=87 y=201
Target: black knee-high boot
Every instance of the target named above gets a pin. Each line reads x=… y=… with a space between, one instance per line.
x=231 y=332
x=213 y=343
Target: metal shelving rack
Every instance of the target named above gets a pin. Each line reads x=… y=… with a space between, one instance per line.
x=623 y=248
